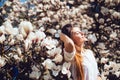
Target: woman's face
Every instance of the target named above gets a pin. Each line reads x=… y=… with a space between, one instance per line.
x=77 y=36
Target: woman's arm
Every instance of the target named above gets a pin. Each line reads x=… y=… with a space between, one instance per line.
x=68 y=43
x=69 y=47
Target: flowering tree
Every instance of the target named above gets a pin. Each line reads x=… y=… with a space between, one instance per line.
x=29 y=37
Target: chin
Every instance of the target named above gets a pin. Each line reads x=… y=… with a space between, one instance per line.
x=81 y=41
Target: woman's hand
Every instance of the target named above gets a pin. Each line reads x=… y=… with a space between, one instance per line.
x=65 y=38
x=68 y=43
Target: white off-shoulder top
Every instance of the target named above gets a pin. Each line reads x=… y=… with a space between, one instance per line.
x=89 y=64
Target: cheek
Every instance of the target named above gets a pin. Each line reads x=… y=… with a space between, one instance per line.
x=78 y=39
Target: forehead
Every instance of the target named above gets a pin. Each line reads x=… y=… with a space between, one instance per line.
x=74 y=29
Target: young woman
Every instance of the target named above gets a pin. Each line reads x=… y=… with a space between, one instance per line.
x=84 y=65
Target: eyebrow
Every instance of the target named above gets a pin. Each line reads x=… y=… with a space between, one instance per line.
x=76 y=31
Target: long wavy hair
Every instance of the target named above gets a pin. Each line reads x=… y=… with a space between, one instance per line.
x=78 y=58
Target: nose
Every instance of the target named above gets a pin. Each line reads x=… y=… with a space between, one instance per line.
x=82 y=33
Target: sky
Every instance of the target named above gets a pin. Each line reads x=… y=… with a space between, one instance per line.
x=3 y=1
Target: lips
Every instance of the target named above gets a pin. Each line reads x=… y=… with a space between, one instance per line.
x=84 y=38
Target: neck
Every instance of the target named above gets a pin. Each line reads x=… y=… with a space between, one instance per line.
x=79 y=48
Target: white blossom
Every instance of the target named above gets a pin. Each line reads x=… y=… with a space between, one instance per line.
x=10 y=54
x=2 y=38
x=16 y=57
x=31 y=36
x=116 y=15
x=48 y=64
x=46 y=7
x=27 y=43
x=56 y=70
x=50 y=13
x=47 y=75
x=53 y=2
x=52 y=31
x=8 y=27
x=15 y=8
x=25 y=28
x=108 y=1
x=104 y=60
x=19 y=51
x=54 y=51
x=15 y=31
x=40 y=6
x=40 y=35
x=58 y=58
x=2 y=61
x=69 y=74
x=49 y=43
x=117 y=66
x=2 y=28
x=104 y=51
x=45 y=19
x=42 y=28
x=23 y=9
x=57 y=35
x=92 y=38
x=113 y=35
x=107 y=67
x=42 y=15
x=46 y=1
x=8 y=3
x=112 y=64
x=3 y=12
x=66 y=67
x=117 y=73
x=56 y=17
x=12 y=41
x=101 y=46
x=19 y=37
x=71 y=1
x=35 y=74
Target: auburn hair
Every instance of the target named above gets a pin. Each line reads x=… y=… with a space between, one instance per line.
x=78 y=58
